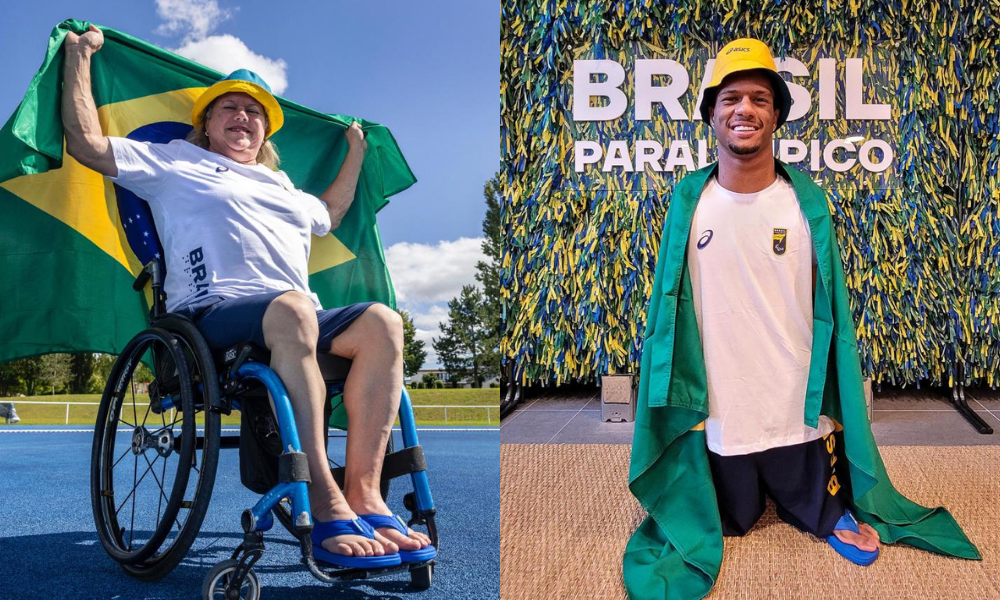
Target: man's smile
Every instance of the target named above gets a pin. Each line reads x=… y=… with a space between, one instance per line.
x=745 y=130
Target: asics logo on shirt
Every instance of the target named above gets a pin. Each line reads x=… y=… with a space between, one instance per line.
x=221 y=169
x=705 y=238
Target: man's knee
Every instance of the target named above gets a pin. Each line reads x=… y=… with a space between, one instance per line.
x=384 y=323
x=291 y=319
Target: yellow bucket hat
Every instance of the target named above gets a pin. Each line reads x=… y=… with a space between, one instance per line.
x=247 y=82
x=746 y=54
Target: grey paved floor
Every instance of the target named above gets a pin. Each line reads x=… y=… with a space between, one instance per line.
x=903 y=417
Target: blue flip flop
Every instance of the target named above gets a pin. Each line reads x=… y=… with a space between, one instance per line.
x=851 y=553
x=397 y=523
x=327 y=529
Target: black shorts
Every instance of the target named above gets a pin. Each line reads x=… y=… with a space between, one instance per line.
x=227 y=322
x=806 y=481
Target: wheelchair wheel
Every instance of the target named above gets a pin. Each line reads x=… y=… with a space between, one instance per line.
x=420 y=577
x=151 y=475
x=214 y=586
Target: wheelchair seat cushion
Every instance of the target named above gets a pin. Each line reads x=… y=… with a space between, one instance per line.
x=226 y=322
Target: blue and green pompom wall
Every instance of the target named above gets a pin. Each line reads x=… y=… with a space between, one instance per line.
x=920 y=243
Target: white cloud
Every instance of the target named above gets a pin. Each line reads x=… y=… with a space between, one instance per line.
x=423 y=273
x=428 y=321
x=195 y=19
x=426 y=277
x=226 y=53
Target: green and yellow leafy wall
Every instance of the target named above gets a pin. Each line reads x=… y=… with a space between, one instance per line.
x=920 y=242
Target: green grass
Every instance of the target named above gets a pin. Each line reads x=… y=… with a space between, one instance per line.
x=477 y=396
x=456 y=401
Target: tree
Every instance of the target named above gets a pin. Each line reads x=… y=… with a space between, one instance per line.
x=30 y=373
x=488 y=274
x=10 y=378
x=463 y=345
x=81 y=369
x=414 y=354
x=102 y=371
x=55 y=370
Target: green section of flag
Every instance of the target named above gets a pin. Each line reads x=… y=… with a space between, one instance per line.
x=312 y=146
x=61 y=292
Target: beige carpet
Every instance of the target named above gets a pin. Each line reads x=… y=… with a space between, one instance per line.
x=566 y=515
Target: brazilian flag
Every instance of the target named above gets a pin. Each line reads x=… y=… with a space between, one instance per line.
x=70 y=246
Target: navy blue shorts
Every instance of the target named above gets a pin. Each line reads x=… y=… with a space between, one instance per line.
x=808 y=483
x=227 y=322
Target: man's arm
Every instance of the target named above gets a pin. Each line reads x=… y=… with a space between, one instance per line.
x=84 y=139
x=339 y=196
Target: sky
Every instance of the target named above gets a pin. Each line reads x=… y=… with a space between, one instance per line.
x=429 y=71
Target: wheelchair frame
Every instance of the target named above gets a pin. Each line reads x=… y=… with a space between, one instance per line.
x=219 y=394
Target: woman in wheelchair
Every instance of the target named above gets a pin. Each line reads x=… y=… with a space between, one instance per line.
x=236 y=234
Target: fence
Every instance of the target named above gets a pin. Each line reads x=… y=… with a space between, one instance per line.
x=416 y=407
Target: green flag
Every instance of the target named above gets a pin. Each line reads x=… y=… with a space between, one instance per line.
x=66 y=266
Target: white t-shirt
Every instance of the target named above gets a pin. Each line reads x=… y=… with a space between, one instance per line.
x=227 y=229
x=751 y=258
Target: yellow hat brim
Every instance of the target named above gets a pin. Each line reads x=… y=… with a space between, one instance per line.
x=275 y=116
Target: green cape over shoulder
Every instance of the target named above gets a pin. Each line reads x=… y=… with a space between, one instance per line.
x=677 y=551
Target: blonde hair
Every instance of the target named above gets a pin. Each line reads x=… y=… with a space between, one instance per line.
x=267 y=155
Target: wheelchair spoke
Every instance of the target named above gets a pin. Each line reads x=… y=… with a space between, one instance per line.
x=135 y=483
x=124 y=454
x=131 y=530
x=135 y=417
x=163 y=474
x=159 y=482
x=145 y=417
x=116 y=414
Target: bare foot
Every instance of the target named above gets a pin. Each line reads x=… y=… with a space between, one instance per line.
x=866 y=539
x=413 y=540
x=354 y=545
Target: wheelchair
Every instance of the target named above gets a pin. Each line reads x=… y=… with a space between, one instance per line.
x=153 y=466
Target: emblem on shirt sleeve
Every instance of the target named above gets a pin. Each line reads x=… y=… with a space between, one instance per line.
x=705 y=239
x=779 y=241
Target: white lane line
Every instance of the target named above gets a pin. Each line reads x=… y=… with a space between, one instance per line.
x=122 y=431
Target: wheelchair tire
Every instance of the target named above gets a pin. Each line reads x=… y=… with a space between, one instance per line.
x=214 y=586
x=201 y=366
x=283 y=513
x=420 y=577
x=112 y=411
x=189 y=357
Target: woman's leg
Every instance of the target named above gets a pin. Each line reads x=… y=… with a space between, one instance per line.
x=374 y=342
x=291 y=332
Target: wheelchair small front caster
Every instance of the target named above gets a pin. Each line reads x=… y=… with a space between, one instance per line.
x=218 y=579
x=420 y=578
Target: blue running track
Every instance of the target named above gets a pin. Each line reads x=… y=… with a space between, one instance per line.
x=49 y=548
